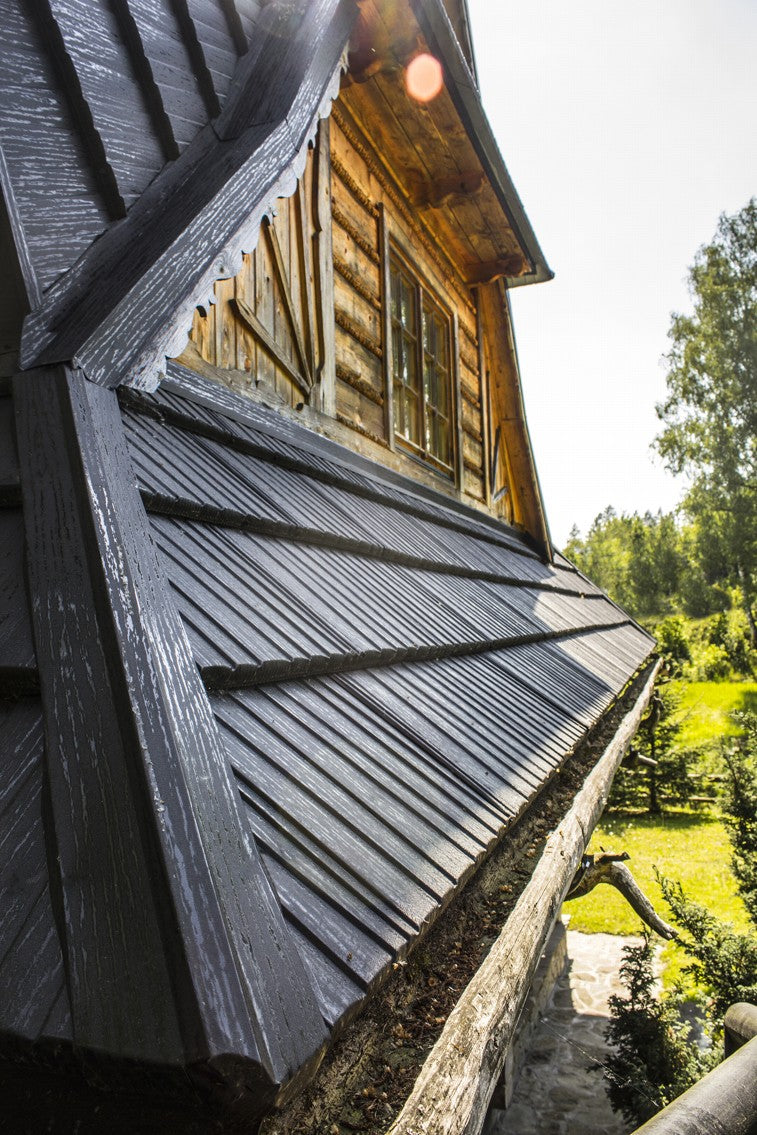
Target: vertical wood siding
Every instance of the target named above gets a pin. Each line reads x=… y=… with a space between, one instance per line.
x=277 y=284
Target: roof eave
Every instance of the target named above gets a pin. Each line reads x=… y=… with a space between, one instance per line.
x=461 y=84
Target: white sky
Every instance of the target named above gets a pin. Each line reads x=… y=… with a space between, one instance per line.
x=627 y=129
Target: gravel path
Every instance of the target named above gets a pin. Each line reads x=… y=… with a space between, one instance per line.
x=560 y=1090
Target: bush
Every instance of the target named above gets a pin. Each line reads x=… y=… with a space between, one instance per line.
x=673 y=641
x=655 y=1058
x=741 y=807
x=724 y=962
x=709 y=663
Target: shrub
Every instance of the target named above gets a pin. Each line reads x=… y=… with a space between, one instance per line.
x=709 y=663
x=741 y=808
x=654 y=1058
x=673 y=640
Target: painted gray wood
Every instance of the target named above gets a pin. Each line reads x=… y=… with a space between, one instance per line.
x=163 y=891
x=58 y=202
x=111 y=89
x=34 y=1003
x=130 y=300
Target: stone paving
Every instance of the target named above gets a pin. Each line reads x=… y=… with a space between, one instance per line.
x=560 y=1090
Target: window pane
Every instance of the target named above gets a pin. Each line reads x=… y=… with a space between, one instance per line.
x=420 y=368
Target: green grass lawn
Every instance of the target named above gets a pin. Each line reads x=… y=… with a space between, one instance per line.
x=690 y=847
x=705 y=709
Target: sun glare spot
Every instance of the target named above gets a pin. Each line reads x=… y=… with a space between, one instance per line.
x=424 y=78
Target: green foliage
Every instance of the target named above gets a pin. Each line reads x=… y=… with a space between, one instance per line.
x=655 y=565
x=710 y=413
x=648 y=787
x=654 y=1058
x=636 y=559
x=723 y=961
x=673 y=641
x=741 y=804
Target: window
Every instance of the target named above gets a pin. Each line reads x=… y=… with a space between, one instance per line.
x=421 y=373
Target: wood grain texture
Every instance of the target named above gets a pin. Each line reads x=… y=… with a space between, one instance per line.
x=452 y=1092
x=31 y=959
x=324 y=276
x=112 y=92
x=195 y=899
x=437 y=29
x=508 y=413
x=186 y=240
x=59 y=206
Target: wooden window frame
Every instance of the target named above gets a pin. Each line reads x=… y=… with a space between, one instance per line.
x=426 y=297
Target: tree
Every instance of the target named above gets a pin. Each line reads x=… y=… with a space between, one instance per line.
x=710 y=412
x=653 y=1058
x=657 y=739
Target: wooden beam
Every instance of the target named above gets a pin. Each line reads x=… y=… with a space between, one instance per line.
x=269 y=344
x=307 y=283
x=386 y=326
x=286 y=295
x=324 y=277
x=177 y=953
x=428 y=193
x=507 y=411
x=452 y=1092
x=489 y=270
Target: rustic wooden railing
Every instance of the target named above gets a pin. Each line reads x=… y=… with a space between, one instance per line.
x=724 y=1102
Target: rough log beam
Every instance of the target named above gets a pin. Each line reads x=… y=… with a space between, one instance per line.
x=452 y=1093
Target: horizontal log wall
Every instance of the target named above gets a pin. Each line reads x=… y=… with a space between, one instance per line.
x=363 y=188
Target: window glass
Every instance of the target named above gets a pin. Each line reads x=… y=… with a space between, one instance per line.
x=421 y=374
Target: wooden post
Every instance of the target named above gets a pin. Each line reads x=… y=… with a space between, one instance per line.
x=324 y=258
x=507 y=410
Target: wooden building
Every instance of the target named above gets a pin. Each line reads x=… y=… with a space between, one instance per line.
x=288 y=665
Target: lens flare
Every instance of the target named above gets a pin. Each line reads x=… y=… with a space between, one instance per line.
x=424 y=78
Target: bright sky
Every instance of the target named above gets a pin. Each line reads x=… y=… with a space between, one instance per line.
x=627 y=129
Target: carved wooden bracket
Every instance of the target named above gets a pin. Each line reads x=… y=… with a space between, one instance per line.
x=610 y=869
x=487 y=271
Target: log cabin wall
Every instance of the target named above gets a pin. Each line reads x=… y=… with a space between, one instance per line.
x=265 y=328
x=306 y=319
x=371 y=216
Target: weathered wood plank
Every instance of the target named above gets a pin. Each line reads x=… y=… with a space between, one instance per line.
x=268 y=342
x=57 y=204
x=286 y=294
x=452 y=1092
x=115 y=98
x=204 y=909
x=508 y=413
